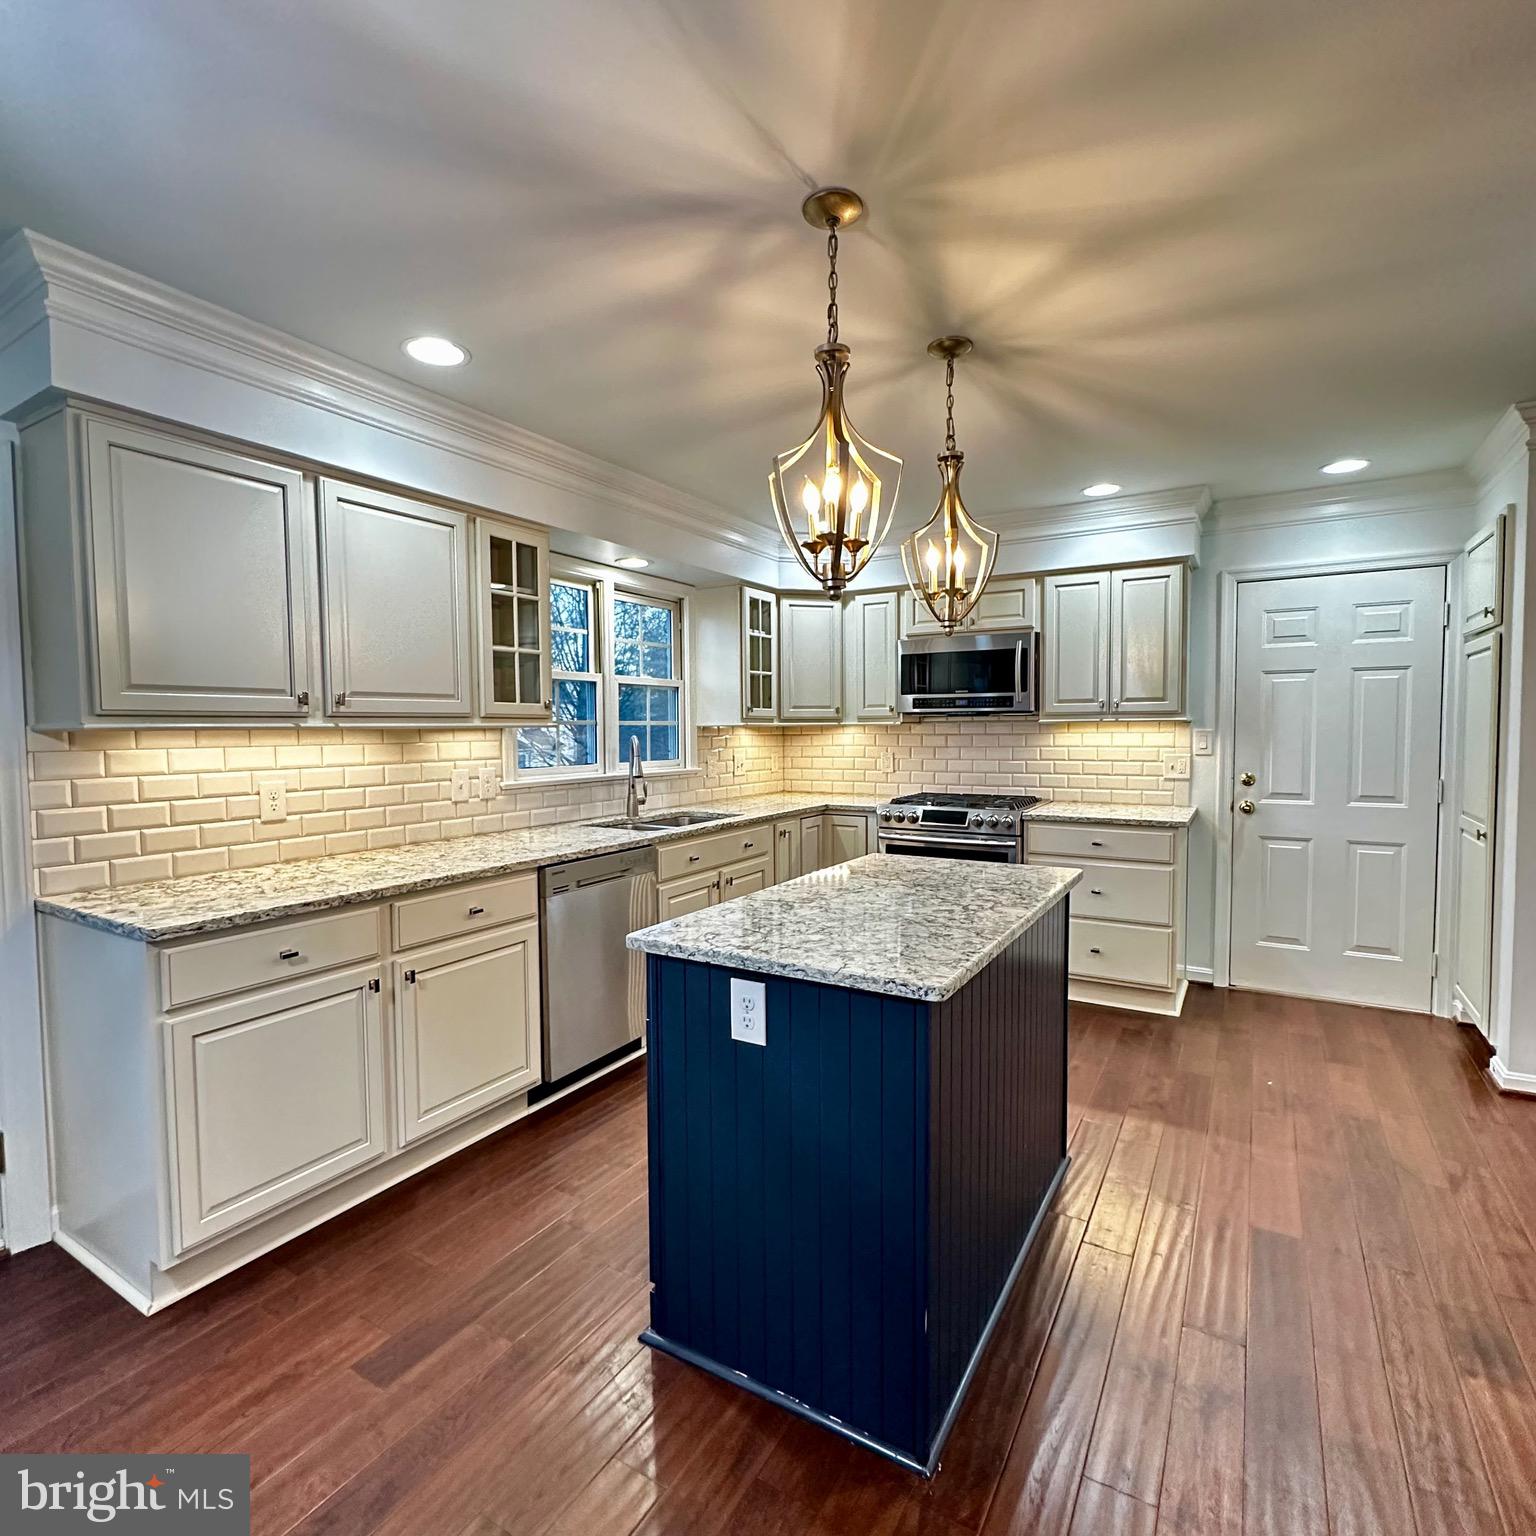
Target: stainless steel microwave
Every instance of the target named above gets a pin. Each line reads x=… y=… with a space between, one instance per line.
x=970 y=674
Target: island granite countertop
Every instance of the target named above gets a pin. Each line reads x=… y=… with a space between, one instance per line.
x=885 y=923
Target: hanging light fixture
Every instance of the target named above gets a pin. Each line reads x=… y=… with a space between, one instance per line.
x=949 y=558
x=835 y=494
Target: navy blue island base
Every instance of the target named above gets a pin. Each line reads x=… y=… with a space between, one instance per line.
x=837 y=1215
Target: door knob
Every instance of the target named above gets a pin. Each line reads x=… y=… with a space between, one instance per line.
x=1249 y=778
x=1246 y=807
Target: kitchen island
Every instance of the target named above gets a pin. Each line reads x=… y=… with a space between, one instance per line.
x=857 y=1121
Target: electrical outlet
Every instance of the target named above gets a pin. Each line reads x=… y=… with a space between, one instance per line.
x=1176 y=765
x=274 y=799
x=749 y=1023
x=490 y=781
x=887 y=761
x=738 y=764
x=1205 y=743
x=458 y=785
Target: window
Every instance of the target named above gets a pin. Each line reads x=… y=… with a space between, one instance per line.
x=570 y=743
x=616 y=667
x=645 y=647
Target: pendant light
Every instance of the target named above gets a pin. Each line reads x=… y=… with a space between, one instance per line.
x=949 y=558
x=835 y=494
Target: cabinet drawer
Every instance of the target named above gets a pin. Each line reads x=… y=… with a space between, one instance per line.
x=712 y=852
x=464 y=909
x=1124 y=952
x=1144 y=844
x=259 y=957
x=1123 y=893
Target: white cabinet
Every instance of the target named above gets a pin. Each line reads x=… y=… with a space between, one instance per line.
x=467 y=1027
x=1009 y=602
x=1482 y=581
x=272 y=1097
x=688 y=893
x=746 y=877
x=810 y=658
x=1113 y=643
x=811 y=843
x=870 y=691
x=736 y=650
x=396 y=580
x=844 y=836
x=162 y=577
x=786 y=850
x=512 y=575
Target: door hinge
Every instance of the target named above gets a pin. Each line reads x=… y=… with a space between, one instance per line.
x=1434 y=965
x=2 y=1151
x=1446 y=622
x=1440 y=792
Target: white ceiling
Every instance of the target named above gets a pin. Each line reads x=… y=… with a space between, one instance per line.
x=1196 y=241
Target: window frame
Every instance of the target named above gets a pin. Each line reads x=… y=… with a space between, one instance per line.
x=595 y=653
x=608 y=586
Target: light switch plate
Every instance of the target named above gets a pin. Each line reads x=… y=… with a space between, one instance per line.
x=458 y=784
x=1205 y=743
x=749 y=1022
x=1176 y=765
x=274 y=799
x=490 y=781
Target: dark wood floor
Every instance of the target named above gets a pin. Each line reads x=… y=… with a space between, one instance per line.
x=1289 y=1286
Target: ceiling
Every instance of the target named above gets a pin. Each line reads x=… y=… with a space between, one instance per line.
x=1195 y=241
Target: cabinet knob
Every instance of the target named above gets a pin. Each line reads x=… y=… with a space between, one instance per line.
x=1095 y=891
x=1101 y=703
x=1095 y=950
x=1487 y=613
x=289 y=954
x=373 y=985
x=1481 y=835
x=340 y=701
x=410 y=976
x=303 y=700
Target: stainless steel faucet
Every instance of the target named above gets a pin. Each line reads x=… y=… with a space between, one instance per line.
x=639 y=790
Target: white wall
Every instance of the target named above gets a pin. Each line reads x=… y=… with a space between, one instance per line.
x=1424 y=515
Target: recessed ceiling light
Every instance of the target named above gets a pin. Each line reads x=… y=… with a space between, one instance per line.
x=437 y=351
x=1346 y=466
x=1101 y=488
x=632 y=562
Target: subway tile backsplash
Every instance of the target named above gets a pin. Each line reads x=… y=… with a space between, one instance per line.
x=118 y=807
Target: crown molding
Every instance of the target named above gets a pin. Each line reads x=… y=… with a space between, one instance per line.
x=1109 y=514
x=1436 y=491
x=43 y=281
x=1508 y=441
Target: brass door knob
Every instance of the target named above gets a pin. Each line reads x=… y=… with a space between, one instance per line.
x=1249 y=778
x=1246 y=807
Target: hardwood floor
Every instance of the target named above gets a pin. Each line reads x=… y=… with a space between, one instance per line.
x=1289 y=1286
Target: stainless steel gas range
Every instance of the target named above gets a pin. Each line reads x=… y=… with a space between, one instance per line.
x=986 y=827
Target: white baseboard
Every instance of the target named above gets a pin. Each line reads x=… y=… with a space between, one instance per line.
x=1511 y=1082
x=104 y=1272
x=1201 y=973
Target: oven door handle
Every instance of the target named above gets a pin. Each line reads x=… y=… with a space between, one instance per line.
x=929 y=840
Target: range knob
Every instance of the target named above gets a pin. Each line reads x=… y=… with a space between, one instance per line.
x=914 y=817
x=976 y=821
x=885 y=815
x=1007 y=823
x=992 y=821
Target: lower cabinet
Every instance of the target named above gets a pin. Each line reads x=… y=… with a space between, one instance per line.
x=786 y=850
x=271 y=1097
x=744 y=878
x=832 y=837
x=466 y=1027
x=688 y=893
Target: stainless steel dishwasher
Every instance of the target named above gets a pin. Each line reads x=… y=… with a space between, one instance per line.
x=593 y=987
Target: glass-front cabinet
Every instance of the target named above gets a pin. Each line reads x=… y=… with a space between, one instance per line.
x=513 y=572
x=759 y=619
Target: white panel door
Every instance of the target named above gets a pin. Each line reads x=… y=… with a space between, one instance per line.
x=198 y=570
x=1482 y=581
x=467 y=1020
x=1338 y=723
x=1479 y=749
x=396 y=604
x=870 y=623
x=810 y=658
x=1146 y=628
x=1076 y=644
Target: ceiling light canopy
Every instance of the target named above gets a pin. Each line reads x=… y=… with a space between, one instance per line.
x=1346 y=466
x=632 y=562
x=1102 y=488
x=436 y=351
x=835 y=494
x=947 y=560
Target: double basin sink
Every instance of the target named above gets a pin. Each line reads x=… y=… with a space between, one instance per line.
x=664 y=820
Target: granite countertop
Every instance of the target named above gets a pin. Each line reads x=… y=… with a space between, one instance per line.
x=172 y=909
x=1118 y=815
x=904 y=927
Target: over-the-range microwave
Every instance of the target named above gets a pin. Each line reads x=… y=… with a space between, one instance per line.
x=970 y=674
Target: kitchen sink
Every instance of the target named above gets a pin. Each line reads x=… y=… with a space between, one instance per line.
x=664 y=819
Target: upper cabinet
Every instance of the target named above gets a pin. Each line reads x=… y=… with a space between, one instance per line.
x=162 y=577
x=1009 y=602
x=810 y=659
x=736 y=641
x=870 y=690
x=396 y=604
x=1113 y=643
x=512 y=575
x=1482 y=582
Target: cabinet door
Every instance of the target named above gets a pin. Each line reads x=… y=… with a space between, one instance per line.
x=1146 y=627
x=869 y=624
x=811 y=658
x=786 y=850
x=1076 y=642
x=691 y=893
x=467 y=1027
x=844 y=836
x=1482 y=581
x=811 y=844
x=271 y=1098
x=759 y=654
x=1006 y=605
x=198 y=577
x=396 y=581
x=1479 y=744
x=512 y=570
x=744 y=878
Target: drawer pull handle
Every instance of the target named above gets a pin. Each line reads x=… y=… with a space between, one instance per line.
x=1095 y=950
x=410 y=976
x=289 y=954
x=1095 y=843
x=693 y=858
x=1095 y=891
x=749 y=844
x=477 y=911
